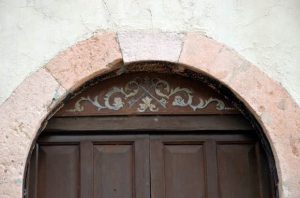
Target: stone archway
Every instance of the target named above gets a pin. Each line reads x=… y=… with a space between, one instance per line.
x=23 y=113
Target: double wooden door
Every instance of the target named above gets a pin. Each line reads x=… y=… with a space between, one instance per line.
x=146 y=165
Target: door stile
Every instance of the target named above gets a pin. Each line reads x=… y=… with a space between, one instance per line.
x=157 y=168
x=261 y=164
x=142 y=167
x=212 y=188
x=33 y=174
x=86 y=169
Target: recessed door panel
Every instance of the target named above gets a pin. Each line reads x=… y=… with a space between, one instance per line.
x=184 y=171
x=177 y=167
x=238 y=171
x=113 y=171
x=58 y=171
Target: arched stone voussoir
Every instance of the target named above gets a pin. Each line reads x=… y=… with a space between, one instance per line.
x=21 y=116
x=85 y=60
x=150 y=46
x=268 y=101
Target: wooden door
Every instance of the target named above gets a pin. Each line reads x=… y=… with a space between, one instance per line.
x=90 y=166
x=208 y=166
x=144 y=166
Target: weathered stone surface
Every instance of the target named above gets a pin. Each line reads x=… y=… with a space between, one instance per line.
x=21 y=117
x=276 y=111
x=262 y=96
x=213 y=58
x=198 y=50
x=142 y=46
x=86 y=60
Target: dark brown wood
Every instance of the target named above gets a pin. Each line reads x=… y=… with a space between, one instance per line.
x=177 y=167
x=122 y=168
x=32 y=181
x=229 y=165
x=263 y=173
x=70 y=138
x=211 y=169
x=142 y=167
x=150 y=123
x=58 y=171
x=107 y=166
x=237 y=170
x=158 y=185
x=86 y=169
x=184 y=171
x=207 y=165
x=259 y=174
x=147 y=94
x=113 y=171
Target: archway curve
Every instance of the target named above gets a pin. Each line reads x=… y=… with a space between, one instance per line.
x=32 y=101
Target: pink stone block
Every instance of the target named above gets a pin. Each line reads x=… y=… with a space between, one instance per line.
x=85 y=60
x=146 y=46
x=21 y=116
x=199 y=51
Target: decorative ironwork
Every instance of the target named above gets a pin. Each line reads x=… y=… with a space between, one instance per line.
x=149 y=94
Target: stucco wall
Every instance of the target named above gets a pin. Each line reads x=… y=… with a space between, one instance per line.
x=264 y=32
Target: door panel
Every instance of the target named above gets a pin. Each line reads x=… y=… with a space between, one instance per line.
x=58 y=172
x=239 y=173
x=120 y=167
x=177 y=168
x=237 y=170
x=184 y=171
x=201 y=166
x=113 y=174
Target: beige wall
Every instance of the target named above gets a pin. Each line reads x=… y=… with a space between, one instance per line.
x=266 y=32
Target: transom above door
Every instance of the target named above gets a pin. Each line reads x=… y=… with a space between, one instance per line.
x=141 y=165
x=144 y=93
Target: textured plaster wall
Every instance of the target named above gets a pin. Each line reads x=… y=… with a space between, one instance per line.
x=266 y=32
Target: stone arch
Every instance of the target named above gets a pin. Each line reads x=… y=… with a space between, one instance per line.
x=23 y=113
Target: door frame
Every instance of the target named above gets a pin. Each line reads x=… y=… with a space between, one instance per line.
x=244 y=121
